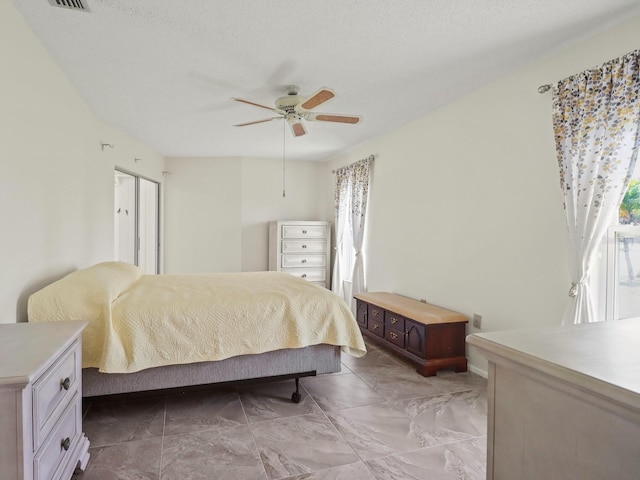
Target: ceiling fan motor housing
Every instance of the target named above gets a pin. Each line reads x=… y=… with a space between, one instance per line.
x=288 y=103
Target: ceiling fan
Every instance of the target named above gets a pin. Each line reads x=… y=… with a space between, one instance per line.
x=294 y=108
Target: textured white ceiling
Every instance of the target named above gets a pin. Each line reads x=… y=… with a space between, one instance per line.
x=164 y=71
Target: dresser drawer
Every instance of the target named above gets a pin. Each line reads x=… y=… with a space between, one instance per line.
x=396 y=337
x=53 y=455
x=393 y=321
x=52 y=392
x=304 y=260
x=304 y=231
x=308 y=274
x=304 y=246
x=376 y=327
x=375 y=314
x=375 y=320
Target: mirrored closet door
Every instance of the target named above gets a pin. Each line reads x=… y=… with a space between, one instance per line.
x=136 y=221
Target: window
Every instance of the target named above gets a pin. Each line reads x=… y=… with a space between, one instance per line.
x=136 y=222
x=622 y=292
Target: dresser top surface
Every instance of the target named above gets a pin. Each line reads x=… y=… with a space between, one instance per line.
x=602 y=357
x=412 y=309
x=26 y=349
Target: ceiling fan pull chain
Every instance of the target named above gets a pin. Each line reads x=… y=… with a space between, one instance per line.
x=284 y=144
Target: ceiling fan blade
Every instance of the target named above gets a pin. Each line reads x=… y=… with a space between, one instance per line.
x=257 y=105
x=257 y=121
x=318 y=98
x=333 y=117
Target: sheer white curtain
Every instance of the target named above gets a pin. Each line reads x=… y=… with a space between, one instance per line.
x=596 y=118
x=351 y=196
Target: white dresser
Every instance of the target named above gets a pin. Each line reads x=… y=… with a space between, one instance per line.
x=564 y=402
x=301 y=249
x=41 y=401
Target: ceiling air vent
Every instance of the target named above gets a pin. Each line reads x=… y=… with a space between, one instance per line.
x=71 y=4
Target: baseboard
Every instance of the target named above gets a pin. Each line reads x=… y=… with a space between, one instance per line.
x=478 y=371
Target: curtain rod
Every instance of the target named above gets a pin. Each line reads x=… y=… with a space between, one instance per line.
x=372 y=157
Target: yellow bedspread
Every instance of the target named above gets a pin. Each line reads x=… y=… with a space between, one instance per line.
x=142 y=321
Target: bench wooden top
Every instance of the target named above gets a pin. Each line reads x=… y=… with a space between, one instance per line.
x=412 y=309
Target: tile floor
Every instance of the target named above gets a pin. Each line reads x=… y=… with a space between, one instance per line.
x=377 y=419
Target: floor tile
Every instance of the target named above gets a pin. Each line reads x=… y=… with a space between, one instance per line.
x=353 y=471
x=447 y=418
x=376 y=419
x=344 y=391
x=373 y=359
x=396 y=381
x=203 y=410
x=455 y=461
x=273 y=400
x=136 y=460
x=110 y=423
x=298 y=445
x=449 y=381
x=227 y=453
x=376 y=430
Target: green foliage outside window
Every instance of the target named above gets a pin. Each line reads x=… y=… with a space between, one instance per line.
x=630 y=206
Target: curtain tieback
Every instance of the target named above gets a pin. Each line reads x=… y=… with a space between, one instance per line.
x=573 y=291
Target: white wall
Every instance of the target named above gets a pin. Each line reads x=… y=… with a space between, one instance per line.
x=202 y=215
x=217 y=210
x=466 y=209
x=56 y=183
x=262 y=201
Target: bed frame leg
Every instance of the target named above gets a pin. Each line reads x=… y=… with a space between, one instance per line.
x=295 y=396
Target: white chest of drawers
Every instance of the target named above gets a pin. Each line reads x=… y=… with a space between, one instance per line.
x=41 y=401
x=301 y=248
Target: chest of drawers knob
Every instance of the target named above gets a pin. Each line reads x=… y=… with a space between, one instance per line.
x=66 y=383
x=65 y=444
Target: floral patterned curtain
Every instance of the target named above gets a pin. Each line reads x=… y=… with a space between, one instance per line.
x=352 y=191
x=596 y=117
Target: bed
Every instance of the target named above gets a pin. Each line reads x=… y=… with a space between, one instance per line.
x=149 y=332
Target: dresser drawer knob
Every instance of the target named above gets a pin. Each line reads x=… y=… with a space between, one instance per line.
x=304 y=246
x=394 y=336
x=375 y=313
x=375 y=326
x=65 y=444
x=394 y=320
x=66 y=383
x=304 y=275
x=304 y=260
x=304 y=231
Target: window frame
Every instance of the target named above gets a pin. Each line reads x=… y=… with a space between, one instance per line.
x=613 y=266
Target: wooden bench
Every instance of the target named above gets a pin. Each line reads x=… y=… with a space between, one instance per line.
x=430 y=336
